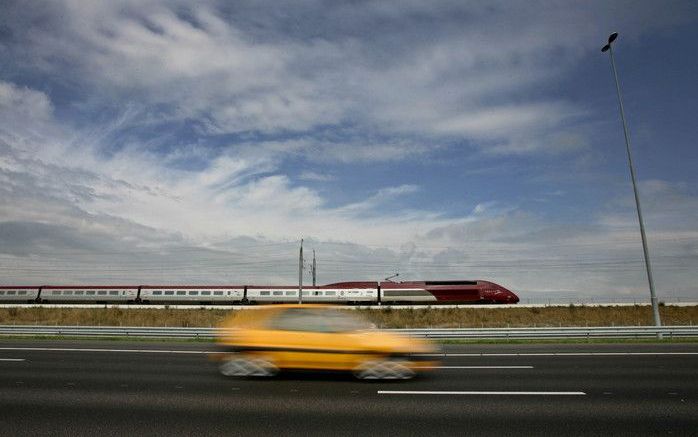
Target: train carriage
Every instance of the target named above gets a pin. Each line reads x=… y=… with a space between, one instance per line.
x=88 y=294
x=323 y=294
x=19 y=294
x=192 y=294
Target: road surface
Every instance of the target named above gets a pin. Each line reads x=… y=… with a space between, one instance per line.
x=170 y=388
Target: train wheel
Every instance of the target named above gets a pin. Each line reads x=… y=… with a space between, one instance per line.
x=384 y=369
x=248 y=367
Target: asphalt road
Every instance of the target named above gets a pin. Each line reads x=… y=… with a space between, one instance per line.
x=138 y=388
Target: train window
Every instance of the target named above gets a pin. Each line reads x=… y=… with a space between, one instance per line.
x=22 y=292
x=264 y=293
x=169 y=292
x=205 y=293
x=181 y=292
x=290 y=293
x=317 y=293
x=157 y=292
x=78 y=292
x=278 y=293
x=306 y=293
x=10 y=292
x=218 y=293
x=330 y=293
x=67 y=291
x=90 y=292
x=193 y=293
x=55 y=292
x=113 y=292
x=102 y=292
x=1 y=292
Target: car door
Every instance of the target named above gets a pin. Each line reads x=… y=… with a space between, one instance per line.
x=308 y=339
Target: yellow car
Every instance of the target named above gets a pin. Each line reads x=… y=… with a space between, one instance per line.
x=261 y=342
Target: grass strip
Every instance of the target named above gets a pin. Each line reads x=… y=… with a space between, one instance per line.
x=505 y=317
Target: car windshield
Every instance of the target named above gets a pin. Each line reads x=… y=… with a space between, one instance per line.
x=318 y=320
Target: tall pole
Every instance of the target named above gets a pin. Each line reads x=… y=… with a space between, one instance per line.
x=653 y=297
x=314 y=268
x=300 y=274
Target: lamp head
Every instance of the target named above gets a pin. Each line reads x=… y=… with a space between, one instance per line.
x=612 y=37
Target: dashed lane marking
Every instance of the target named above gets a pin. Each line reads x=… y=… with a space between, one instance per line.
x=13 y=359
x=484 y=393
x=67 y=349
x=474 y=367
x=556 y=354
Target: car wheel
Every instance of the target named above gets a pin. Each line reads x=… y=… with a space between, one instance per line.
x=384 y=369
x=248 y=367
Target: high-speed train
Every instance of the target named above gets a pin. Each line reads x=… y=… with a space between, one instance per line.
x=364 y=293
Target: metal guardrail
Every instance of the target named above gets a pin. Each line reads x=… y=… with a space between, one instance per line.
x=553 y=333
x=433 y=333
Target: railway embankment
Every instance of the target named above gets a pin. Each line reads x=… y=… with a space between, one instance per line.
x=504 y=317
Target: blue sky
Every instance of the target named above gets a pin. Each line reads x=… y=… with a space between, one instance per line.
x=155 y=141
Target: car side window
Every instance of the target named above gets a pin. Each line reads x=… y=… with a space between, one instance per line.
x=294 y=319
x=315 y=320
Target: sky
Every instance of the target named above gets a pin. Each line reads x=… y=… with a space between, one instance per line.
x=169 y=142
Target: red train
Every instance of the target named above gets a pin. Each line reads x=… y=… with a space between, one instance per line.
x=367 y=293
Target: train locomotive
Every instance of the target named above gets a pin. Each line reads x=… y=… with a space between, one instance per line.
x=361 y=293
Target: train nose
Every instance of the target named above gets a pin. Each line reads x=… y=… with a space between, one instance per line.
x=507 y=296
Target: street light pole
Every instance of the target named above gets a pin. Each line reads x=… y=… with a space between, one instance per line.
x=653 y=297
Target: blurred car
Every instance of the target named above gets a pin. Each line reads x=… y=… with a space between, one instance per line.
x=263 y=341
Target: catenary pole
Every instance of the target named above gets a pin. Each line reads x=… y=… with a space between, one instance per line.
x=300 y=274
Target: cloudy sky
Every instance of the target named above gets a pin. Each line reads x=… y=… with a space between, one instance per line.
x=158 y=142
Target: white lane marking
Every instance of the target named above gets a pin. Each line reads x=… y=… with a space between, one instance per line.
x=12 y=359
x=557 y=354
x=166 y=351
x=66 y=349
x=498 y=393
x=474 y=367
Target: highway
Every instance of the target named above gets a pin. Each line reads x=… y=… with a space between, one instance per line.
x=170 y=388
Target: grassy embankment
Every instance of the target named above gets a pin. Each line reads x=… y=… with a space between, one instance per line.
x=383 y=318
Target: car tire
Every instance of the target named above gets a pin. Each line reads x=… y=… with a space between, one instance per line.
x=248 y=366
x=384 y=369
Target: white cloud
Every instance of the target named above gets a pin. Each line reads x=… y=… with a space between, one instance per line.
x=385 y=68
x=315 y=176
x=23 y=102
x=234 y=195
